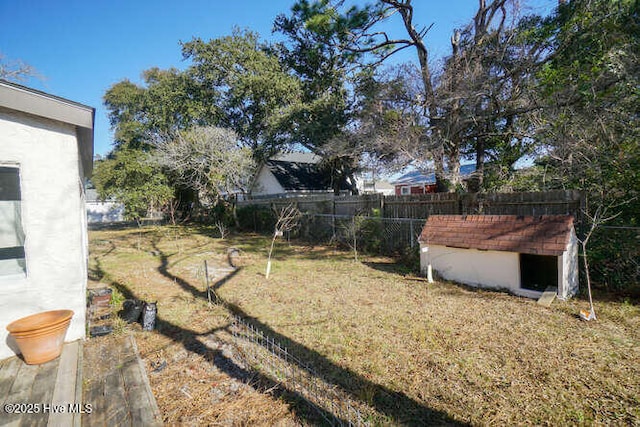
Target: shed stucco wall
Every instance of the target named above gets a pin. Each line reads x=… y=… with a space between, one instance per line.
x=568 y=269
x=473 y=267
x=53 y=219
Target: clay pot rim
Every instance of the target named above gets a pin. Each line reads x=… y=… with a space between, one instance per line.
x=38 y=321
x=41 y=331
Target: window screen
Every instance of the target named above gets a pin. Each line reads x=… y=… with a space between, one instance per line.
x=12 y=258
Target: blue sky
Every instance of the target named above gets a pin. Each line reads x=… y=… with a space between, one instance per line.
x=83 y=47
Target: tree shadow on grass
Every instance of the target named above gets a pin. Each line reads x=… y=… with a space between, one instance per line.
x=191 y=342
x=394 y=405
x=389 y=267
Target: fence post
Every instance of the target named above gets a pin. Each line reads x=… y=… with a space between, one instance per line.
x=411 y=232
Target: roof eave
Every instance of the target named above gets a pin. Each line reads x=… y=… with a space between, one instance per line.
x=34 y=102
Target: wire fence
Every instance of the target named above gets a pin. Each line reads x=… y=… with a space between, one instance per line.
x=269 y=357
x=614 y=251
x=369 y=234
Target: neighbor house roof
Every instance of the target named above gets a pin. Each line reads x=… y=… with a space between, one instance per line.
x=297 y=156
x=301 y=176
x=537 y=235
x=26 y=100
x=420 y=178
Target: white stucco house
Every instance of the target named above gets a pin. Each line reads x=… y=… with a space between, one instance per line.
x=102 y=211
x=521 y=254
x=292 y=174
x=46 y=151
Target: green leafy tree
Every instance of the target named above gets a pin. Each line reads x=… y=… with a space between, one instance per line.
x=325 y=108
x=590 y=86
x=131 y=177
x=234 y=81
x=591 y=89
x=167 y=102
x=251 y=87
x=458 y=103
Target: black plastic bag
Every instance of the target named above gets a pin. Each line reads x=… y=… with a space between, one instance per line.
x=131 y=310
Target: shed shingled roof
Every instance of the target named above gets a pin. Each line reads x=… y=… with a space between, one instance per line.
x=537 y=235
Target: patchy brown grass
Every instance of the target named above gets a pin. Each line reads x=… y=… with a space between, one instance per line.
x=412 y=351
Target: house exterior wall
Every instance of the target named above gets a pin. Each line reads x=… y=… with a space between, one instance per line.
x=265 y=183
x=53 y=220
x=416 y=189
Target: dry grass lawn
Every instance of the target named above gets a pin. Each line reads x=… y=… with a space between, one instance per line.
x=414 y=352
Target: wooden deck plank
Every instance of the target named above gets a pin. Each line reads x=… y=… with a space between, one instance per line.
x=8 y=373
x=117 y=412
x=142 y=403
x=153 y=410
x=94 y=395
x=42 y=392
x=20 y=392
x=119 y=394
x=77 y=417
x=64 y=392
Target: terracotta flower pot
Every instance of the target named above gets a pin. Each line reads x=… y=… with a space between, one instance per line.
x=40 y=336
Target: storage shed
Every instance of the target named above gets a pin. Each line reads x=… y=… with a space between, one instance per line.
x=46 y=151
x=522 y=254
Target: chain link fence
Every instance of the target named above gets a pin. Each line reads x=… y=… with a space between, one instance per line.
x=365 y=233
x=614 y=251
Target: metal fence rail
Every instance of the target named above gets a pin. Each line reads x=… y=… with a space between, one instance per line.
x=271 y=358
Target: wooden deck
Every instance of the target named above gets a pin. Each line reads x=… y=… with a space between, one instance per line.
x=42 y=394
x=69 y=391
x=116 y=385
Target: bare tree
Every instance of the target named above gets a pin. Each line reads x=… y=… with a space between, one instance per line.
x=486 y=90
x=207 y=160
x=287 y=219
x=464 y=100
x=16 y=70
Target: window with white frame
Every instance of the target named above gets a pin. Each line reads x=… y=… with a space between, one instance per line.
x=12 y=257
x=405 y=190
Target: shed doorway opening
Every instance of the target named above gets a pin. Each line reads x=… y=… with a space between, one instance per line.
x=538 y=272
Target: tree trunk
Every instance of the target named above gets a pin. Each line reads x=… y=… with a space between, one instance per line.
x=431 y=106
x=442 y=184
x=478 y=180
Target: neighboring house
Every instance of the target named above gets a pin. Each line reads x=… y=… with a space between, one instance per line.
x=368 y=186
x=521 y=254
x=416 y=182
x=46 y=152
x=102 y=211
x=380 y=187
x=292 y=174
